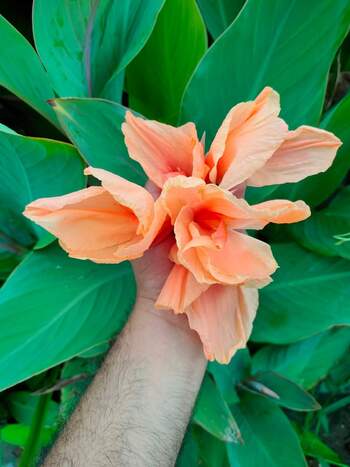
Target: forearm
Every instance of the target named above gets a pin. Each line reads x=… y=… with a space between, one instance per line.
x=136 y=410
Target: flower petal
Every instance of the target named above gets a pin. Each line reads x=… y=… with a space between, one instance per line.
x=138 y=245
x=163 y=150
x=305 y=151
x=180 y=290
x=247 y=138
x=88 y=223
x=242 y=258
x=223 y=317
x=128 y=194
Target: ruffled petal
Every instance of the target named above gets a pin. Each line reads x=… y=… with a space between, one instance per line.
x=277 y=211
x=180 y=290
x=241 y=258
x=163 y=150
x=223 y=317
x=139 y=244
x=88 y=223
x=128 y=194
x=304 y=152
x=247 y=138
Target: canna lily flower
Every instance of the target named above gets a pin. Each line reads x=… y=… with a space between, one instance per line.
x=217 y=268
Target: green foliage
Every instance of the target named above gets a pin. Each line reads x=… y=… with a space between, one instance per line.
x=32 y=168
x=294 y=296
x=168 y=54
x=213 y=414
x=100 y=141
x=219 y=14
x=85 y=46
x=21 y=71
x=308 y=361
x=266 y=46
x=269 y=439
x=63 y=298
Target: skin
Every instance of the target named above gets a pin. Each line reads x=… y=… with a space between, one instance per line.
x=136 y=410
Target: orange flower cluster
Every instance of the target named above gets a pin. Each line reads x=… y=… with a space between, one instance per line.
x=218 y=268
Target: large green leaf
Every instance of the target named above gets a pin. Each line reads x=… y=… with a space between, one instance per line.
x=32 y=168
x=227 y=377
x=275 y=43
x=316 y=189
x=283 y=391
x=309 y=294
x=308 y=361
x=94 y=126
x=18 y=434
x=61 y=305
x=85 y=45
x=157 y=77
x=213 y=414
x=21 y=71
x=327 y=231
x=268 y=438
x=219 y=14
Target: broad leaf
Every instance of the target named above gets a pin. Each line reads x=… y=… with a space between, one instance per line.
x=94 y=126
x=213 y=414
x=21 y=71
x=157 y=77
x=219 y=14
x=327 y=231
x=265 y=46
x=212 y=451
x=69 y=306
x=228 y=376
x=268 y=438
x=32 y=168
x=281 y=390
x=292 y=307
x=308 y=361
x=85 y=45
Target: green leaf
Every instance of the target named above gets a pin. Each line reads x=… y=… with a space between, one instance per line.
x=188 y=455
x=316 y=189
x=17 y=435
x=77 y=303
x=219 y=14
x=265 y=46
x=212 y=451
x=99 y=140
x=292 y=307
x=6 y=129
x=32 y=168
x=213 y=414
x=95 y=351
x=21 y=71
x=327 y=231
x=22 y=406
x=158 y=96
x=228 y=376
x=86 y=45
x=305 y=362
x=281 y=390
x=268 y=438
x=314 y=447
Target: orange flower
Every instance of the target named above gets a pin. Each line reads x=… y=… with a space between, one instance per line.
x=217 y=266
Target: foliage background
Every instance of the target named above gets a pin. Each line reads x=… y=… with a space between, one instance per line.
x=66 y=79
